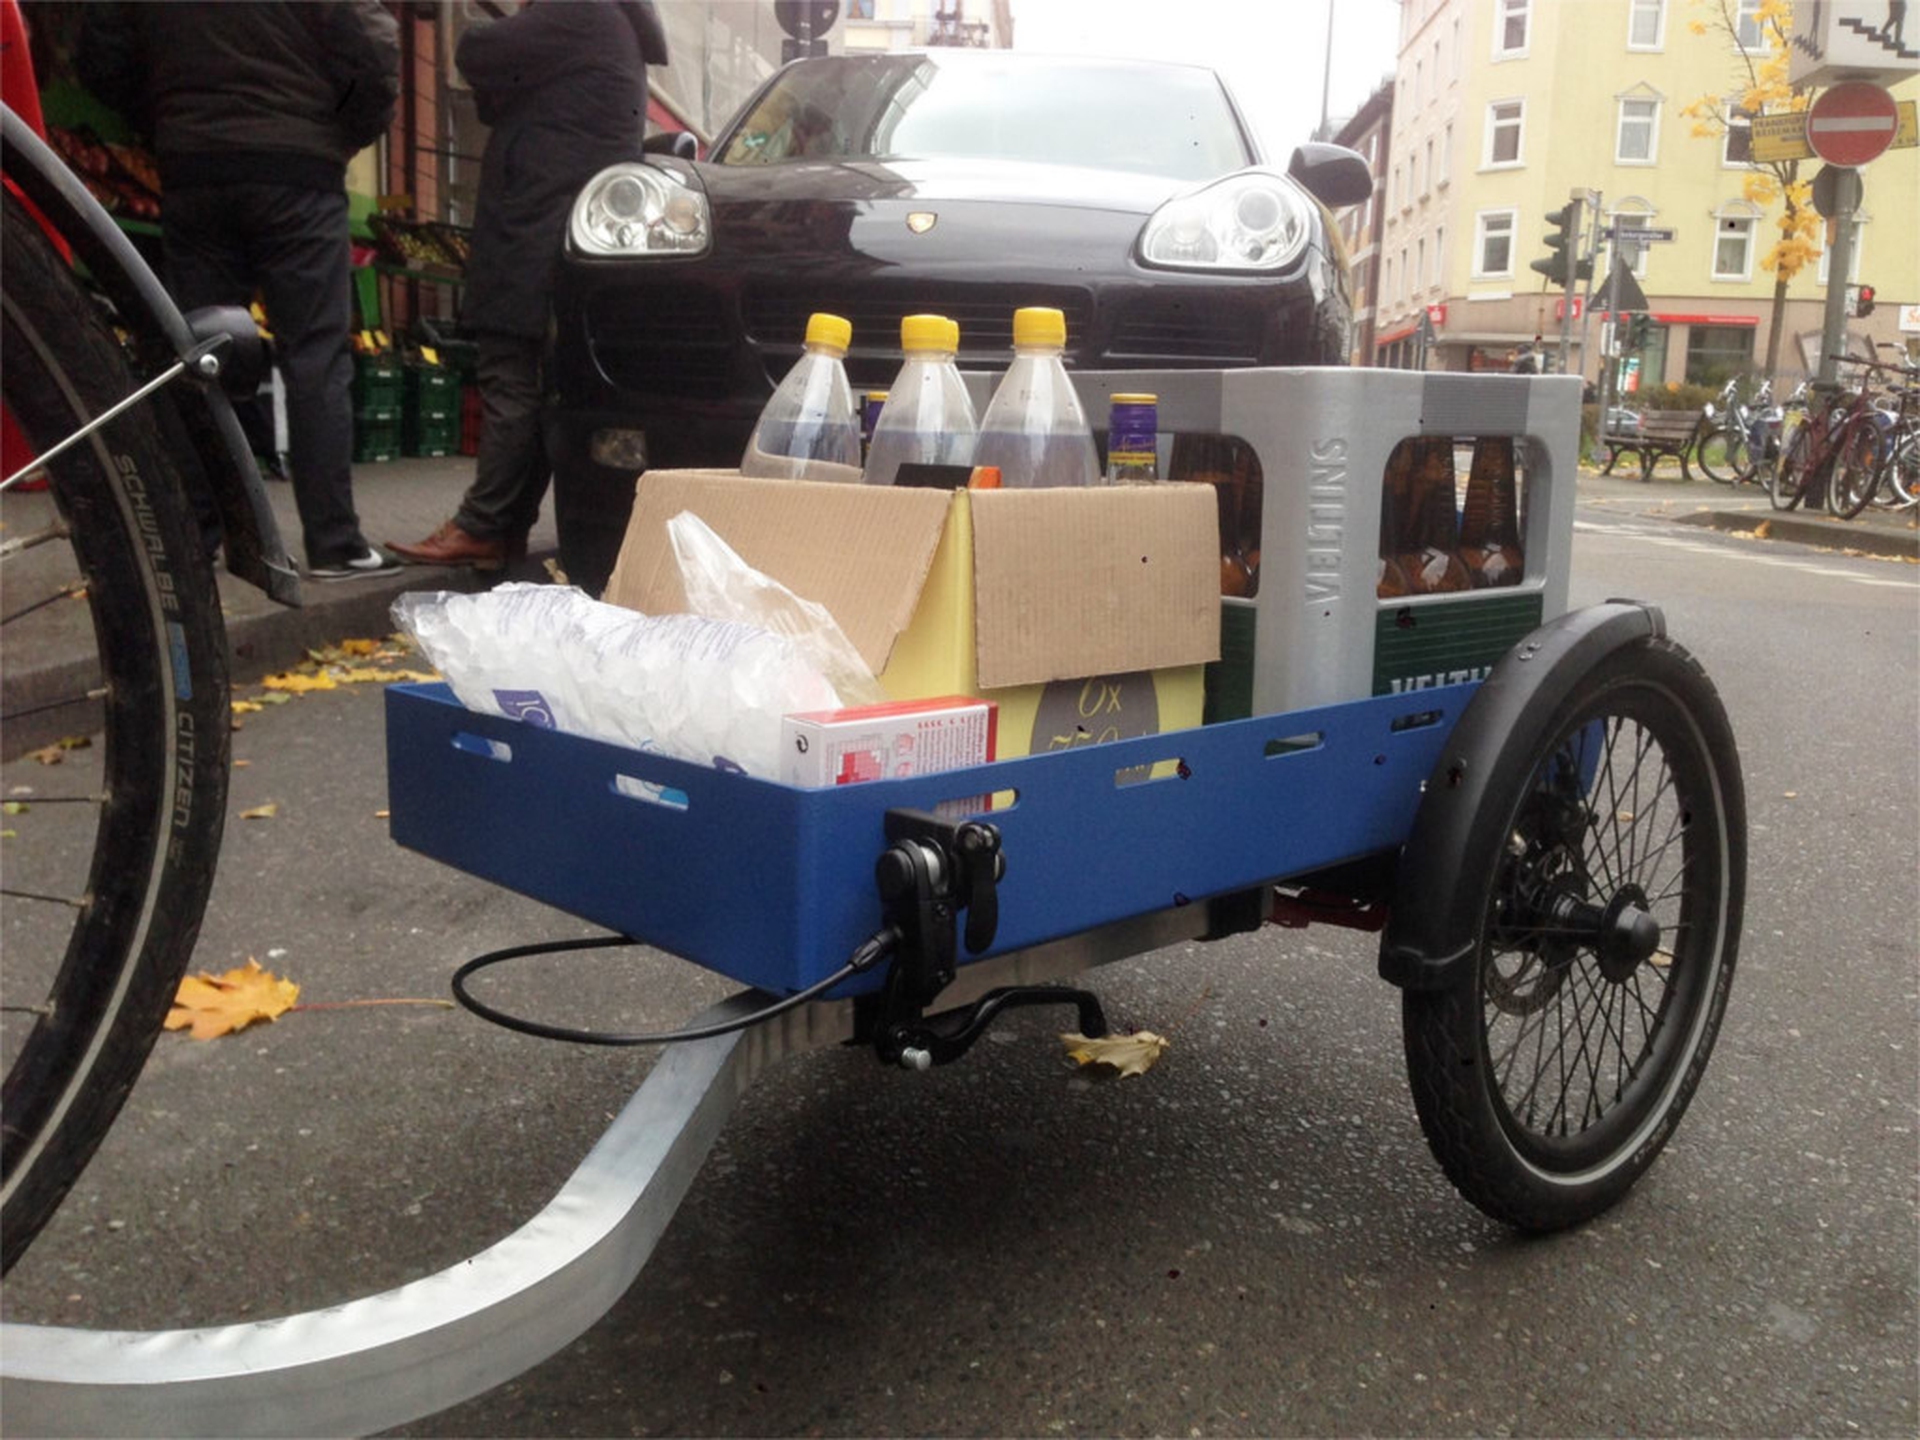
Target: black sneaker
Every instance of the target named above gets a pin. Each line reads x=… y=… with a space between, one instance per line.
x=373 y=562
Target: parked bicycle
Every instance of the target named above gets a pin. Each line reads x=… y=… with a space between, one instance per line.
x=1831 y=461
x=1725 y=448
x=122 y=431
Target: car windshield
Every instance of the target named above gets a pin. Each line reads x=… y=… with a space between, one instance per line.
x=1169 y=120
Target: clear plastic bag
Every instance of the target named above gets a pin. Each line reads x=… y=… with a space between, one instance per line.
x=722 y=586
x=705 y=690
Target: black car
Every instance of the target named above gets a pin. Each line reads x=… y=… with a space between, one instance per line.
x=1130 y=195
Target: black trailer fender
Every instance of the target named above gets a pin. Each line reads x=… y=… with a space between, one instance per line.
x=218 y=450
x=1435 y=919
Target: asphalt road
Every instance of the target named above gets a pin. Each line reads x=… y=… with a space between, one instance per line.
x=1252 y=1239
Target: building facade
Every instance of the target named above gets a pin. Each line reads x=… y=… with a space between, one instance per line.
x=1503 y=109
x=1368 y=132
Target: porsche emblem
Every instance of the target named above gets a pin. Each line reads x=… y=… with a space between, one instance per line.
x=921 y=221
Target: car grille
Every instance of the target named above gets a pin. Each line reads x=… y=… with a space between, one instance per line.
x=663 y=341
x=1175 y=330
x=777 y=318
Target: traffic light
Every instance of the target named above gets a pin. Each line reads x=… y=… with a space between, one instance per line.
x=1563 y=245
x=1862 y=301
x=1639 y=332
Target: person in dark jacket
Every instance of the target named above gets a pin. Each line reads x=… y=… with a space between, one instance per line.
x=255 y=110
x=563 y=84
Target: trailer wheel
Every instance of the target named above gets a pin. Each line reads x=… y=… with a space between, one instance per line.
x=1551 y=1065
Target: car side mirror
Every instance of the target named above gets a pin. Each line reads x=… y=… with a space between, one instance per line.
x=1332 y=174
x=681 y=144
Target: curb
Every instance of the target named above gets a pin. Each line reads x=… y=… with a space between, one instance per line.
x=1822 y=531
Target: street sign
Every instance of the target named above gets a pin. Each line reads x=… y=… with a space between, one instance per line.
x=1630 y=235
x=1560 y=307
x=1622 y=291
x=1851 y=40
x=1852 y=123
x=1835 y=189
x=1784 y=137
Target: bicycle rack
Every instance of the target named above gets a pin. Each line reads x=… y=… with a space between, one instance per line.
x=389 y=1358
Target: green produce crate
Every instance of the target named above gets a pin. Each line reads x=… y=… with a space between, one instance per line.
x=376 y=382
x=376 y=436
x=430 y=436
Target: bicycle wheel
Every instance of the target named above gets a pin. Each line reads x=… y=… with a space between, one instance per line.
x=1856 y=467
x=1899 y=478
x=1550 y=1072
x=1791 y=471
x=82 y=1013
x=1724 y=455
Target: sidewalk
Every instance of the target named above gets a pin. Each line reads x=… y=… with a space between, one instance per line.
x=1746 y=510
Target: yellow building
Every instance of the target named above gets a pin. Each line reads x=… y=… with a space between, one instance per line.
x=1504 y=108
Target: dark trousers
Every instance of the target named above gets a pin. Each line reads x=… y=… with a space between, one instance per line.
x=225 y=241
x=511 y=472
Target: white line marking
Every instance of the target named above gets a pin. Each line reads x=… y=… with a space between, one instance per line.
x=1805 y=566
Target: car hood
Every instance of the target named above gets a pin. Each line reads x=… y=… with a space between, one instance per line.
x=854 y=182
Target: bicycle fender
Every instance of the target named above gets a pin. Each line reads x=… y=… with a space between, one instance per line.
x=220 y=454
x=1435 y=920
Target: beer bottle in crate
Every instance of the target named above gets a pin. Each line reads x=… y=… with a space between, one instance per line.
x=1490 y=520
x=1431 y=566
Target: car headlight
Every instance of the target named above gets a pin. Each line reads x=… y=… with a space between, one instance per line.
x=633 y=209
x=1255 y=220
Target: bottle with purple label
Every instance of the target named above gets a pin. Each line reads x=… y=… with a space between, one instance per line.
x=1133 y=439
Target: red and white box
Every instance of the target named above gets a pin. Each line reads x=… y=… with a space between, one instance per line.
x=887 y=741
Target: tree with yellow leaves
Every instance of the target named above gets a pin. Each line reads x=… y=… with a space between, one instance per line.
x=1761 y=88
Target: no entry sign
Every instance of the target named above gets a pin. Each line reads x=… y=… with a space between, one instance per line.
x=1851 y=123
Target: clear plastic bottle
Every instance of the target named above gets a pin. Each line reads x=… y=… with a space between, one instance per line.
x=808 y=430
x=928 y=418
x=1034 y=428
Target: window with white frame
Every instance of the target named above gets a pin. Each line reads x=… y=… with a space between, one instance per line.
x=1733 y=242
x=1436 y=278
x=1493 y=244
x=1646 y=24
x=1386 y=281
x=1633 y=213
x=1736 y=145
x=1511 y=24
x=1505 y=121
x=1433 y=176
x=1406 y=275
x=1419 y=85
x=1439 y=83
x=1446 y=154
x=1459 y=54
x=1637 y=137
x=1419 y=262
x=1747 y=31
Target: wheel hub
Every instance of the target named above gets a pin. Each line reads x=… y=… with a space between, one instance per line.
x=1623 y=934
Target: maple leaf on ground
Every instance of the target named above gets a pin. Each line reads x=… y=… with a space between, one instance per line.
x=1133 y=1054
x=290 y=683
x=262 y=812
x=215 y=1005
x=360 y=647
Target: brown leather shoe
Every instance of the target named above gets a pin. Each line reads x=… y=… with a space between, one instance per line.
x=451 y=545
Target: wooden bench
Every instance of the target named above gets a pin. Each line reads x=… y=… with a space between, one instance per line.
x=1662 y=432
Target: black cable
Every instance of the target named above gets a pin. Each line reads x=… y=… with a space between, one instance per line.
x=865 y=956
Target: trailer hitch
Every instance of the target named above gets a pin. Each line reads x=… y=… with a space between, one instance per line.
x=931 y=870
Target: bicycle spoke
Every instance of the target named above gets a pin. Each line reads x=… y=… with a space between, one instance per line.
x=19 y=545
x=97 y=693
x=66 y=592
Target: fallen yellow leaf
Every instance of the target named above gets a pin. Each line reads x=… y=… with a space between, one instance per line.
x=292 y=684
x=247 y=707
x=262 y=812
x=360 y=647
x=1133 y=1054
x=1763 y=529
x=48 y=755
x=218 y=1005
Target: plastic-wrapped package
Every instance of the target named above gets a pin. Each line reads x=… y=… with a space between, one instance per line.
x=722 y=586
x=709 y=691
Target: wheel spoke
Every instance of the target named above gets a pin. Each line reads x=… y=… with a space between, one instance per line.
x=66 y=592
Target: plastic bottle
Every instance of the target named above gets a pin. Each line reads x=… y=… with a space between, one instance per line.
x=808 y=430
x=1133 y=439
x=928 y=418
x=1034 y=428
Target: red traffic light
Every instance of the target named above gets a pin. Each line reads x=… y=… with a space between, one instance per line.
x=1865 y=306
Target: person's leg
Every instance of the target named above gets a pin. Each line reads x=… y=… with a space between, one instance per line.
x=301 y=251
x=206 y=262
x=510 y=472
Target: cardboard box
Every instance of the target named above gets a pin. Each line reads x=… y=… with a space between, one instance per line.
x=886 y=742
x=1085 y=615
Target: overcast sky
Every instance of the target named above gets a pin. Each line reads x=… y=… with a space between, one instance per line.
x=1272 y=52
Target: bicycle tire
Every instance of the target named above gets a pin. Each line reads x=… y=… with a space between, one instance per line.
x=1790 y=473
x=165 y=734
x=1723 y=455
x=1898 y=485
x=1624 y=807
x=1856 y=467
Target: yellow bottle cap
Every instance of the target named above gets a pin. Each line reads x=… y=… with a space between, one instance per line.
x=929 y=332
x=1136 y=400
x=1038 y=325
x=825 y=329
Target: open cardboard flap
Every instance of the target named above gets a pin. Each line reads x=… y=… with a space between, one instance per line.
x=860 y=550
